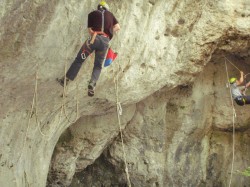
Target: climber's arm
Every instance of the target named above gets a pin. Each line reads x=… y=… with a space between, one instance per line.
x=116 y=27
x=240 y=81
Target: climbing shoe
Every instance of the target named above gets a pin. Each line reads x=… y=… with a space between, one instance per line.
x=61 y=81
x=91 y=88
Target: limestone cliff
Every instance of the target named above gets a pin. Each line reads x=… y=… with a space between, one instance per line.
x=177 y=114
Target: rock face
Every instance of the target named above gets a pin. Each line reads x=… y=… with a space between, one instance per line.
x=177 y=118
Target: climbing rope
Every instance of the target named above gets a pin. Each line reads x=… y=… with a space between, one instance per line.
x=35 y=103
x=33 y=109
x=36 y=107
x=232 y=64
x=119 y=113
x=34 y=112
x=234 y=116
x=28 y=125
x=65 y=93
x=64 y=96
x=247 y=74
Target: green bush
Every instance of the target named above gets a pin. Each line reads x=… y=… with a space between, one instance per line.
x=246 y=172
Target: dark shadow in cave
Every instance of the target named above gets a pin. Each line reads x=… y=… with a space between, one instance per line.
x=101 y=173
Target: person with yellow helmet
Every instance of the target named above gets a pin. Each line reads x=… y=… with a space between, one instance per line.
x=102 y=24
x=237 y=91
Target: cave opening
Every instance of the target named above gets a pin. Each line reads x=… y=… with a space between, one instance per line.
x=211 y=83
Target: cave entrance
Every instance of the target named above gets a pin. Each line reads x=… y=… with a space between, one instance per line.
x=209 y=87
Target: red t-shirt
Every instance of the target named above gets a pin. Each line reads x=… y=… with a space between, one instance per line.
x=95 y=22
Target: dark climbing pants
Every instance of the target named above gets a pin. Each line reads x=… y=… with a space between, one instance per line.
x=242 y=100
x=100 y=46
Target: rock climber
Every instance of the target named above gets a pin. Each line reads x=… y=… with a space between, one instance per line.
x=102 y=24
x=238 y=92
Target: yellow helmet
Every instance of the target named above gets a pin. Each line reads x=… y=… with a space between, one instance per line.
x=104 y=5
x=232 y=80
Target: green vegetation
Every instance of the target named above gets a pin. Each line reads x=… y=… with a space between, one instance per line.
x=246 y=172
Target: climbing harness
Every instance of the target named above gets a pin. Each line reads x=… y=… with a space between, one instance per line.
x=83 y=55
x=99 y=32
x=240 y=100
